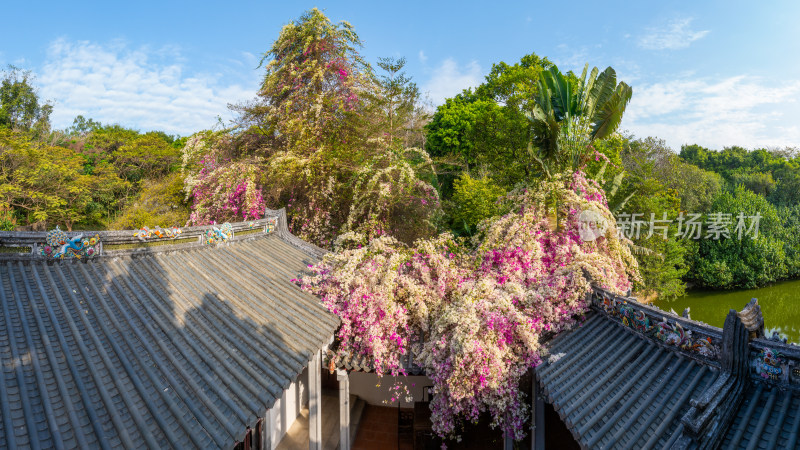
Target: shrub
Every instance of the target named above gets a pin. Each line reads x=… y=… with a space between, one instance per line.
x=474 y=199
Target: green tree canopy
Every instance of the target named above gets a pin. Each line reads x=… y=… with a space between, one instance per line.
x=82 y=126
x=772 y=173
x=487 y=127
x=749 y=262
x=145 y=156
x=514 y=85
x=47 y=183
x=20 y=108
x=651 y=158
x=474 y=199
x=397 y=99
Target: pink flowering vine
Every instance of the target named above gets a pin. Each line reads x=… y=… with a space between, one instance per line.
x=474 y=315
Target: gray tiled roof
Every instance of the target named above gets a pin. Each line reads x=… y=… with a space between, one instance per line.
x=769 y=417
x=181 y=348
x=617 y=389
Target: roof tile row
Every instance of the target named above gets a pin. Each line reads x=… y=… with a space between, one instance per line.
x=178 y=348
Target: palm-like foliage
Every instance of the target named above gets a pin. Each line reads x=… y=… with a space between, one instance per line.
x=566 y=117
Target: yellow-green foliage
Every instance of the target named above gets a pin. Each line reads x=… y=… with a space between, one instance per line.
x=474 y=199
x=144 y=157
x=159 y=203
x=48 y=184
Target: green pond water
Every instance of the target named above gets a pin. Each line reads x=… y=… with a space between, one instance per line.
x=780 y=305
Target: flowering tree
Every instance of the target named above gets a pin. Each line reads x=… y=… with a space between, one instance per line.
x=315 y=191
x=391 y=196
x=221 y=189
x=313 y=83
x=474 y=314
x=311 y=142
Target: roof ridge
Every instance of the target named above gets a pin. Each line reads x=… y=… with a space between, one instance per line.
x=82 y=245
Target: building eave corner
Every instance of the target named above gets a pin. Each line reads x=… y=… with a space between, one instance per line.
x=282 y=230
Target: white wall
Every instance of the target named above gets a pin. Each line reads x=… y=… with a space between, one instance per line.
x=364 y=386
x=288 y=407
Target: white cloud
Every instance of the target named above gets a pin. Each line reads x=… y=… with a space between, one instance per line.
x=423 y=57
x=673 y=35
x=740 y=110
x=571 y=58
x=139 y=88
x=449 y=79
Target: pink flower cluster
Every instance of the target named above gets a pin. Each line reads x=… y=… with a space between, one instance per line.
x=474 y=315
x=225 y=193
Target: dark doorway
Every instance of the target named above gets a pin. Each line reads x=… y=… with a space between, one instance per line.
x=556 y=433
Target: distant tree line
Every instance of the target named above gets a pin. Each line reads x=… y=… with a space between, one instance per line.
x=89 y=176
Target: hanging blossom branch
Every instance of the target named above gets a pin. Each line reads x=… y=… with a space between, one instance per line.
x=474 y=314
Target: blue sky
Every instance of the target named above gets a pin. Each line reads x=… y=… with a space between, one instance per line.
x=716 y=73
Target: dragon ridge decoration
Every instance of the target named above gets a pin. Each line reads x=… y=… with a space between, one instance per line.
x=769 y=364
x=146 y=233
x=674 y=334
x=60 y=246
x=272 y=223
x=218 y=235
x=670 y=333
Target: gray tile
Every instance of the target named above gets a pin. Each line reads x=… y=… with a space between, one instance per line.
x=153 y=349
